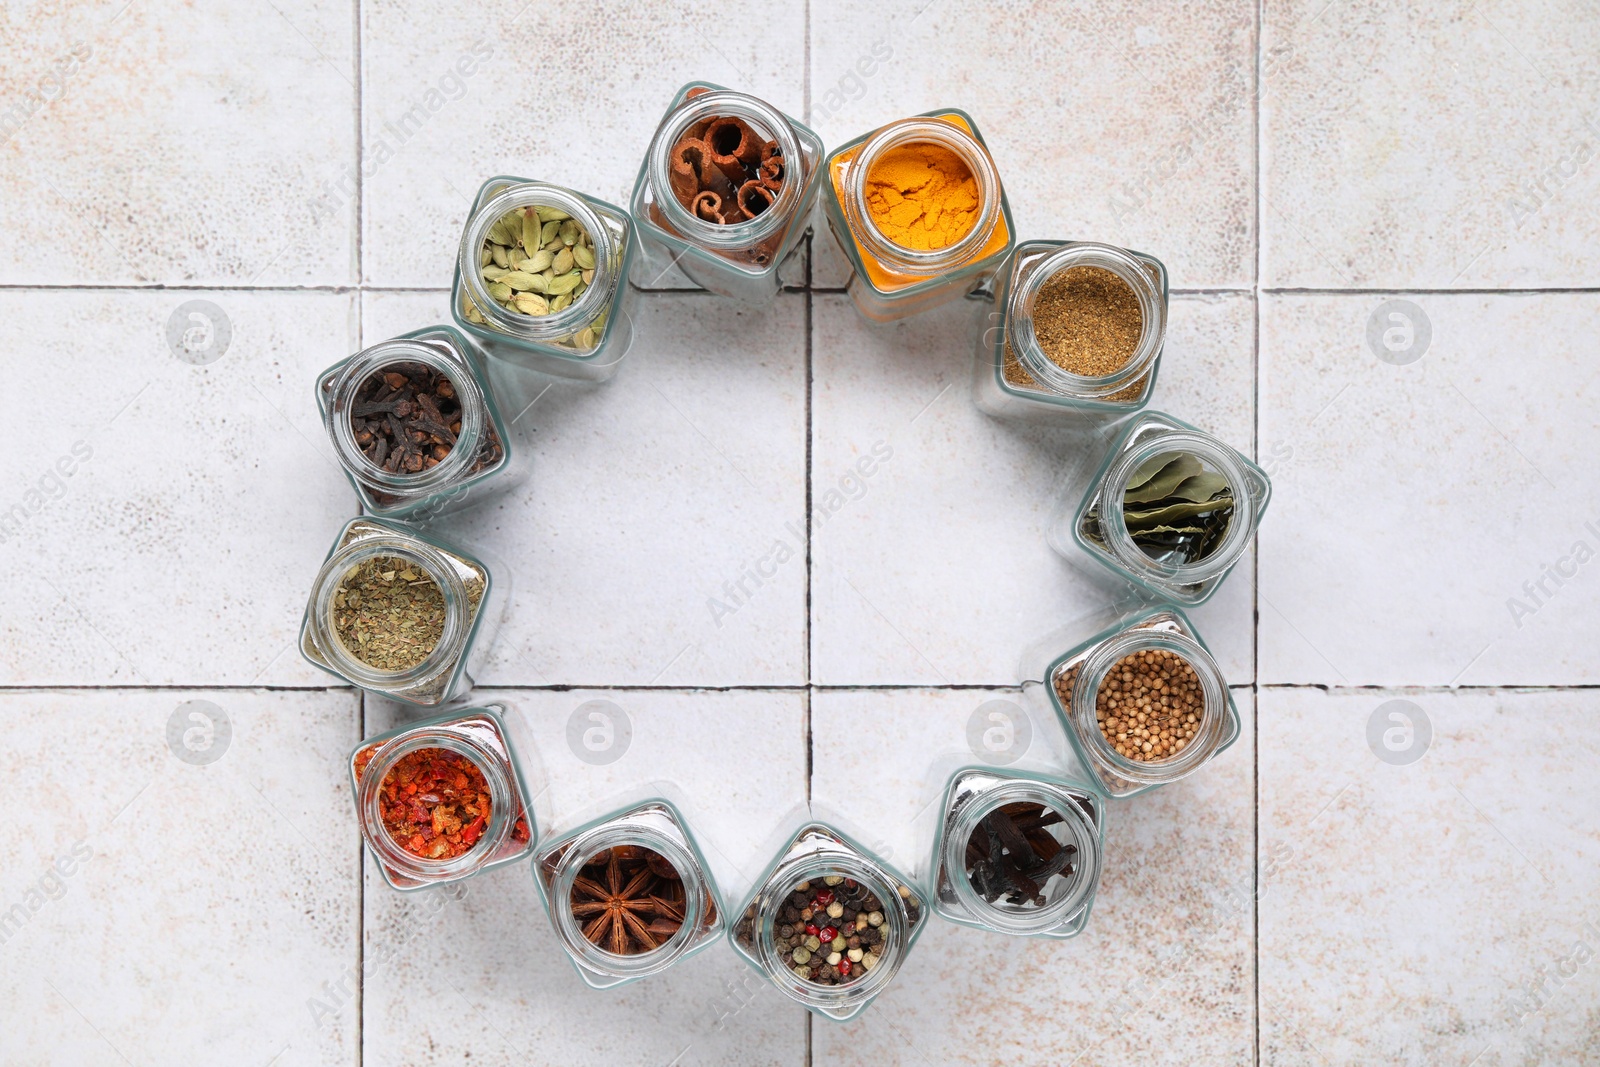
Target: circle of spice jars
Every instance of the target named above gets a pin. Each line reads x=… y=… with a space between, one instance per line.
x=415 y=426
x=441 y=800
x=398 y=613
x=725 y=191
x=1018 y=854
x=919 y=211
x=542 y=278
x=1073 y=327
x=1143 y=702
x=1170 y=508
x=629 y=895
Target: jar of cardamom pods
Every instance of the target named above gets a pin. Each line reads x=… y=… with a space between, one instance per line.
x=542 y=278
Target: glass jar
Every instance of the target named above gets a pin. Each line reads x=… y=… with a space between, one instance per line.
x=650 y=837
x=1074 y=678
x=1060 y=822
x=476 y=735
x=1173 y=562
x=1015 y=378
x=892 y=281
x=473 y=600
x=479 y=464
x=822 y=866
x=585 y=340
x=741 y=259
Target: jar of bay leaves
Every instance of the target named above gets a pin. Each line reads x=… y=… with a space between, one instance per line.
x=1170 y=508
x=542 y=278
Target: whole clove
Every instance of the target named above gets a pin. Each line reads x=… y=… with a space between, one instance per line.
x=1012 y=855
x=406 y=419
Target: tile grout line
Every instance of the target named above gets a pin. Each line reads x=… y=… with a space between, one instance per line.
x=1255 y=580
x=805 y=90
x=808 y=687
x=361 y=341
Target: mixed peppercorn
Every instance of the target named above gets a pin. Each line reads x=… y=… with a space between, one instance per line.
x=831 y=930
x=434 y=803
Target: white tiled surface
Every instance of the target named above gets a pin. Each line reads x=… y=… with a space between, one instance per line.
x=1301 y=902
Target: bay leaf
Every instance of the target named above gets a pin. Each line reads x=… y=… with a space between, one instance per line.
x=1167 y=513
x=1161 y=482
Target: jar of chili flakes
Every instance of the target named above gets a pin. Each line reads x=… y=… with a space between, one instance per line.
x=441 y=800
x=629 y=894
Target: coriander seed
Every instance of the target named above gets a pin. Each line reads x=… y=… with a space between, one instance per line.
x=1150 y=705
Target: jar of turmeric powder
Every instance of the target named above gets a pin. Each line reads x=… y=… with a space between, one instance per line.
x=918 y=208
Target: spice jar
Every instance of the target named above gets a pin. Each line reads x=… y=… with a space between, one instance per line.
x=415 y=426
x=824 y=883
x=725 y=191
x=399 y=613
x=1170 y=508
x=1018 y=854
x=1071 y=327
x=919 y=211
x=1143 y=701
x=629 y=895
x=441 y=800
x=542 y=278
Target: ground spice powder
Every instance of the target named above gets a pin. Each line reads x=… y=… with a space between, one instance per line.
x=922 y=196
x=1087 y=320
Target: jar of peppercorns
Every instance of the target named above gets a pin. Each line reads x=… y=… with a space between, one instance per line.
x=1143 y=702
x=441 y=800
x=1018 y=854
x=629 y=895
x=829 y=924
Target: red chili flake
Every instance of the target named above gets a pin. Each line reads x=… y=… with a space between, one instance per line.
x=435 y=803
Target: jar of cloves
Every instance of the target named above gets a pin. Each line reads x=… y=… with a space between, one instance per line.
x=542 y=278
x=629 y=895
x=441 y=800
x=414 y=424
x=401 y=614
x=829 y=923
x=1170 y=508
x=918 y=208
x=1143 y=702
x=1018 y=854
x=725 y=191
x=1072 y=328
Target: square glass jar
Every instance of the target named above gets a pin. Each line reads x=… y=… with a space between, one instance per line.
x=646 y=841
x=1083 y=525
x=893 y=281
x=480 y=464
x=738 y=260
x=1015 y=379
x=473 y=600
x=476 y=735
x=584 y=341
x=988 y=821
x=1073 y=680
x=826 y=868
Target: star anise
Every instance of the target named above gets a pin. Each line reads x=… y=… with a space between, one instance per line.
x=629 y=900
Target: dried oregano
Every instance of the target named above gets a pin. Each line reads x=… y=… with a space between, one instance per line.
x=389 y=613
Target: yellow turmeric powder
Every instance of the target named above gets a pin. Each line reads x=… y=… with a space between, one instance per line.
x=922 y=196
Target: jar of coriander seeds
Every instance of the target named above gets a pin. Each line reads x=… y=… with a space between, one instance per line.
x=542 y=278
x=726 y=191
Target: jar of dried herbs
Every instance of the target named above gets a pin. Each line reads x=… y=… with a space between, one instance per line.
x=919 y=211
x=1072 y=327
x=1170 y=508
x=542 y=278
x=1018 y=854
x=400 y=614
x=415 y=425
x=441 y=800
x=725 y=191
x=829 y=923
x=629 y=894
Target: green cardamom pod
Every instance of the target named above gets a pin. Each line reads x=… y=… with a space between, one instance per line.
x=532 y=304
x=500 y=291
x=584 y=256
x=520 y=280
x=569 y=233
x=538 y=262
x=500 y=258
x=549 y=232
x=562 y=262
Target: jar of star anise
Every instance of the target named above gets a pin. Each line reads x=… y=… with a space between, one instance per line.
x=629 y=894
x=829 y=923
x=442 y=799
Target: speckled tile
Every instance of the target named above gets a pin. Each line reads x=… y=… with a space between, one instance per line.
x=1131 y=123
x=190 y=882
x=143 y=515
x=1412 y=503
x=1410 y=910
x=161 y=142
x=1430 y=147
x=650 y=497
x=1162 y=973
x=934 y=568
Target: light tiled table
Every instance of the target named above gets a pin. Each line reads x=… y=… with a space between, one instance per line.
x=306 y=167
